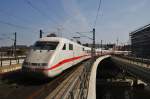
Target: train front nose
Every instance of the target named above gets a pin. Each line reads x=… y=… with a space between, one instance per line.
x=34 y=71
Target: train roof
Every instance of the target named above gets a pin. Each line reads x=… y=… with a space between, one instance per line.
x=59 y=39
x=51 y=39
x=64 y=40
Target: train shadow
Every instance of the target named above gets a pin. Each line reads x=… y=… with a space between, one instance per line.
x=20 y=78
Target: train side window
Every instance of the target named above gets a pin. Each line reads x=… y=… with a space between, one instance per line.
x=83 y=49
x=70 y=47
x=64 y=47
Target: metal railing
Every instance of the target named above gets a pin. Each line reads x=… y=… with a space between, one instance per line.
x=137 y=59
x=139 y=62
x=9 y=60
x=79 y=88
x=136 y=67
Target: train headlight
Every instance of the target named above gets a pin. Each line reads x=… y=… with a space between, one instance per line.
x=39 y=64
x=43 y=64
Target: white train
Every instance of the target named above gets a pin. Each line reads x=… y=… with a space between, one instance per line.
x=51 y=55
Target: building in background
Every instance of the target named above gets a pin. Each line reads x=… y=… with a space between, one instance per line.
x=8 y=50
x=140 y=42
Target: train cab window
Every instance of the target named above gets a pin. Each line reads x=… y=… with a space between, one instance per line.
x=64 y=47
x=45 y=45
x=70 y=47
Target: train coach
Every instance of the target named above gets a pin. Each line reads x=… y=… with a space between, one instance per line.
x=50 y=56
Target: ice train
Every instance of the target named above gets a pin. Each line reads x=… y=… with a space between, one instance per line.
x=50 y=56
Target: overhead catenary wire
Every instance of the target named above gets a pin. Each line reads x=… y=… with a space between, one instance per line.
x=35 y=8
x=45 y=2
x=39 y=11
x=3 y=12
x=16 y=17
x=14 y=25
x=43 y=13
x=80 y=33
x=13 y=16
x=97 y=14
x=68 y=17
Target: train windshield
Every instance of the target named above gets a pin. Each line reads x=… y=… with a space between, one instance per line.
x=44 y=45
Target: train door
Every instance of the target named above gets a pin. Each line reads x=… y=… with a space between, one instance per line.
x=71 y=52
x=65 y=56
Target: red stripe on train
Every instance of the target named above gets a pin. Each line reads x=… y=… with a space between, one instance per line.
x=64 y=61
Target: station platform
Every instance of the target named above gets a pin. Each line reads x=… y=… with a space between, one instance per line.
x=9 y=68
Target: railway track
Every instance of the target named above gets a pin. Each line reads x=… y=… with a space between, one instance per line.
x=62 y=88
x=17 y=86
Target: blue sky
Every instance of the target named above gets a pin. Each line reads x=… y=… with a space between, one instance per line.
x=116 y=19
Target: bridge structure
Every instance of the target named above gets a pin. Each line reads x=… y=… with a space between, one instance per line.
x=139 y=69
x=85 y=85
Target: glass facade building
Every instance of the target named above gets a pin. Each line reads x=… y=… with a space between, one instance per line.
x=140 y=42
